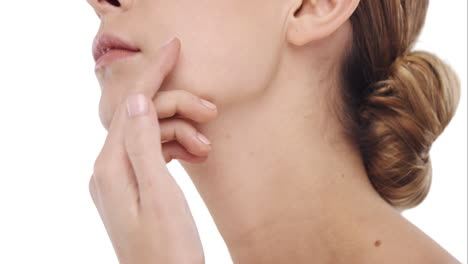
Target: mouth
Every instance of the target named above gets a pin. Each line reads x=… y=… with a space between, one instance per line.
x=108 y=48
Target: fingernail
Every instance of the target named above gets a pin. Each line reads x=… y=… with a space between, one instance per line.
x=137 y=105
x=203 y=139
x=208 y=104
x=169 y=41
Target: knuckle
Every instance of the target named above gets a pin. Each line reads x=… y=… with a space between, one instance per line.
x=184 y=132
x=92 y=188
x=186 y=95
x=182 y=123
x=102 y=171
x=164 y=102
x=175 y=129
x=177 y=96
x=91 y=185
x=167 y=155
x=182 y=103
x=191 y=98
x=99 y=183
x=176 y=124
x=100 y=166
x=182 y=127
x=162 y=94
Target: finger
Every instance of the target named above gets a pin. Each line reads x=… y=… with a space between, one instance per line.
x=112 y=161
x=113 y=176
x=143 y=144
x=93 y=191
x=173 y=150
x=182 y=131
x=154 y=75
x=184 y=103
x=148 y=84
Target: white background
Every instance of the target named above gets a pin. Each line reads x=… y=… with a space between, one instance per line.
x=50 y=135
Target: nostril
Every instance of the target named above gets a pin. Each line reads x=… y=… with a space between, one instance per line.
x=114 y=2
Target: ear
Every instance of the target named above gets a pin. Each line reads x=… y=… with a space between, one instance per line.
x=316 y=19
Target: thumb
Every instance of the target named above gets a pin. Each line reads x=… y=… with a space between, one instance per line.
x=143 y=141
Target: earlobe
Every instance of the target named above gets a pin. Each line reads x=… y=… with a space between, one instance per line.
x=317 y=19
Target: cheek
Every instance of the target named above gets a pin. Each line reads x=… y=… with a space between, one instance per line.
x=225 y=56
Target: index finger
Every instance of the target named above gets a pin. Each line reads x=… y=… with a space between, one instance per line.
x=149 y=83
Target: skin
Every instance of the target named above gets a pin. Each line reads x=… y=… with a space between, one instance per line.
x=143 y=209
x=280 y=181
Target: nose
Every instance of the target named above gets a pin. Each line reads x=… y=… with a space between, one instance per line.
x=102 y=7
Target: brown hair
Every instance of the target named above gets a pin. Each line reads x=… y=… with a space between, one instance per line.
x=396 y=101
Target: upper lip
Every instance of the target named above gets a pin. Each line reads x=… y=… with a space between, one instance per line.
x=104 y=42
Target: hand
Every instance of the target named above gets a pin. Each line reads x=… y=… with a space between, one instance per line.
x=143 y=209
x=180 y=139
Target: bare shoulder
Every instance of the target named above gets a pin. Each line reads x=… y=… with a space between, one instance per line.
x=396 y=240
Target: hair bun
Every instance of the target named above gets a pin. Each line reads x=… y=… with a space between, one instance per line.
x=400 y=119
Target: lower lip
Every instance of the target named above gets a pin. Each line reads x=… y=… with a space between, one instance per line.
x=112 y=56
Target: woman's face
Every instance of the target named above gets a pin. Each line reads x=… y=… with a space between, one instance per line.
x=230 y=48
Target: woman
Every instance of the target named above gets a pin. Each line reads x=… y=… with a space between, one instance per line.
x=321 y=121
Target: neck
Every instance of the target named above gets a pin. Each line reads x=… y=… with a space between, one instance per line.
x=279 y=176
